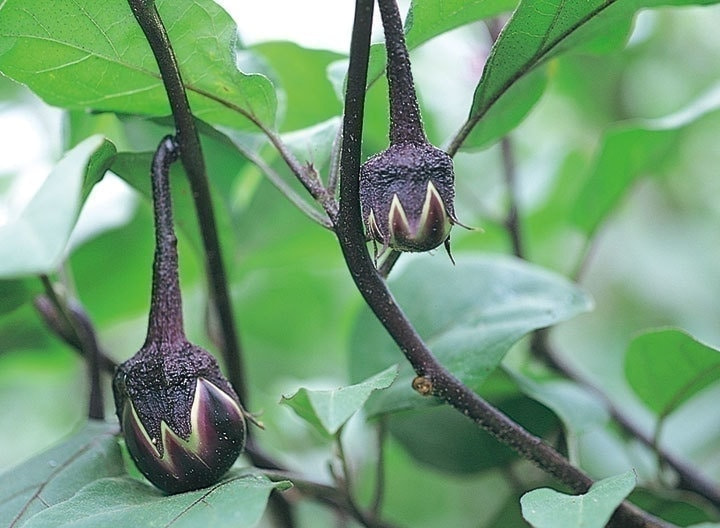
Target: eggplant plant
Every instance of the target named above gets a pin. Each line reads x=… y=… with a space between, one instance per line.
x=309 y=356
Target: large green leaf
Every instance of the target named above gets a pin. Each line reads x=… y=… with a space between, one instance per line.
x=667 y=367
x=470 y=315
x=56 y=475
x=685 y=510
x=540 y=30
x=630 y=151
x=579 y=410
x=509 y=110
x=85 y=54
x=13 y=294
x=328 y=410
x=456 y=444
x=34 y=242
x=300 y=72
x=429 y=18
x=237 y=502
x=547 y=508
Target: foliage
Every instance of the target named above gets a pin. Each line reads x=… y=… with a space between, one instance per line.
x=545 y=508
x=598 y=124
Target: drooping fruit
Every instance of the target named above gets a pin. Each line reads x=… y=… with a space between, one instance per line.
x=407 y=191
x=183 y=423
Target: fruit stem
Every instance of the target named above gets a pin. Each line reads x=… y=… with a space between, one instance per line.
x=166 y=321
x=192 y=159
x=405 y=121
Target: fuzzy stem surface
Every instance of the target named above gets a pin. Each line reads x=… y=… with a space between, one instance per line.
x=193 y=161
x=165 y=323
x=405 y=121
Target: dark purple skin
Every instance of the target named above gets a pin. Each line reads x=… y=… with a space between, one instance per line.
x=404 y=170
x=173 y=465
x=155 y=390
x=409 y=164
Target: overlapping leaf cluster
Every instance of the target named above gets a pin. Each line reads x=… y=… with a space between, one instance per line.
x=90 y=59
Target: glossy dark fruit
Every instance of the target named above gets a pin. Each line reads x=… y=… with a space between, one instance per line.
x=183 y=423
x=194 y=453
x=407 y=194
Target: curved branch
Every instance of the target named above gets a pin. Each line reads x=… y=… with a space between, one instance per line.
x=308 y=178
x=439 y=381
x=70 y=322
x=328 y=495
x=285 y=189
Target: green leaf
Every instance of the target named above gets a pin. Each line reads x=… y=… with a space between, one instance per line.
x=547 y=508
x=580 y=411
x=681 y=511
x=509 y=111
x=470 y=315
x=456 y=444
x=56 y=475
x=542 y=29
x=309 y=95
x=427 y=19
x=97 y=57
x=35 y=241
x=666 y=368
x=314 y=144
x=237 y=502
x=328 y=410
x=630 y=151
x=13 y=294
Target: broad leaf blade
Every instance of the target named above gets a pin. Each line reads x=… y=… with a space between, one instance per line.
x=630 y=151
x=427 y=19
x=328 y=410
x=237 y=502
x=575 y=406
x=35 y=241
x=300 y=73
x=542 y=29
x=13 y=294
x=581 y=411
x=509 y=111
x=455 y=444
x=54 y=476
x=470 y=315
x=86 y=54
x=668 y=367
x=547 y=508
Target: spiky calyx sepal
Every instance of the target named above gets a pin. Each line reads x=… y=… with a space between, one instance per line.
x=182 y=422
x=407 y=197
